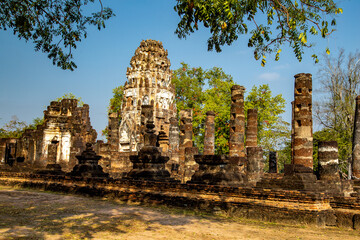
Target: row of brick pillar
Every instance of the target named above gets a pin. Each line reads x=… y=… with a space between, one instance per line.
x=237 y=126
x=301 y=134
x=302 y=138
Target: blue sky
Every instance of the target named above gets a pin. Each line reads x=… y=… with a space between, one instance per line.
x=29 y=81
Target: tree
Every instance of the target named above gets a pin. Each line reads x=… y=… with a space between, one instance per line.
x=211 y=90
x=218 y=99
x=291 y=22
x=116 y=101
x=202 y=91
x=189 y=84
x=115 y=105
x=15 y=128
x=340 y=84
x=55 y=27
x=273 y=131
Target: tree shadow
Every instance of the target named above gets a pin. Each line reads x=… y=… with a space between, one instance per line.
x=40 y=215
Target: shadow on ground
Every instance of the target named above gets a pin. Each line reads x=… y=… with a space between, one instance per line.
x=40 y=215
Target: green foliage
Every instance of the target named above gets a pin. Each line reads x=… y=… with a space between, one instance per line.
x=205 y=90
x=189 y=94
x=273 y=131
x=15 y=128
x=70 y=96
x=344 y=145
x=116 y=101
x=36 y=122
x=55 y=27
x=115 y=105
x=218 y=99
x=284 y=156
x=287 y=22
x=105 y=132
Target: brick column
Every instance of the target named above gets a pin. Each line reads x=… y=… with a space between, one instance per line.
x=237 y=122
x=209 y=140
x=113 y=131
x=186 y=150
x=186 y=130
x=254 y=163
x=272 y=162
x=292 y=132
x=251 y=129
x=173 y=165
x=328 y=161
x=303 y=137
x=356 y=141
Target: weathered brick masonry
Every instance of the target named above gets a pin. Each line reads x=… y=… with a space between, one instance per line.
x=303 y=139
x=237 y=122
x=65 y=122
x=251 y=128
x=209 y=139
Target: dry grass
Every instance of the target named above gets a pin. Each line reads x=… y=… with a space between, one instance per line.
x=28 y=214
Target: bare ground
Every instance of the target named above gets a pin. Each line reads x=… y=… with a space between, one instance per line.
x=29 y=214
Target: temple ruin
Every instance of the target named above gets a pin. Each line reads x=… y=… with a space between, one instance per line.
x=150 y=155
x=148 y=86
x=65 y=123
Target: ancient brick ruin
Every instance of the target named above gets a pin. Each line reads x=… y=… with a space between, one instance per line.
x=150 y=155
x=303 y=139
x=237 y=122
x=148 y=84
x=62 y=136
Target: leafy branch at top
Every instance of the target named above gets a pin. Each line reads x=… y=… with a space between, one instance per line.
x=54 y=26
x=287 y=22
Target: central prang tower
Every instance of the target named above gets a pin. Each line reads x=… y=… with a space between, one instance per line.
x=149 y=83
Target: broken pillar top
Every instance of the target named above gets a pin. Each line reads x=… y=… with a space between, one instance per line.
x=252 y=111
x=186 y=113
x=237 y=92
x=211 y=113
x=237 y=87
x=328 y=144
x=306 y=75
x=303 y=84
x=358 y=99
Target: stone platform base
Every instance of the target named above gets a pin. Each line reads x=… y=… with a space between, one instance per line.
x=301 y=178
x=264 y=204
x=218 y=170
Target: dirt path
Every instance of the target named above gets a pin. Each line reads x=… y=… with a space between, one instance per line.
x=27 y=214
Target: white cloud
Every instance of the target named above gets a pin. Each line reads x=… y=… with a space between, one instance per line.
x=270 y=76
x=282 y=66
